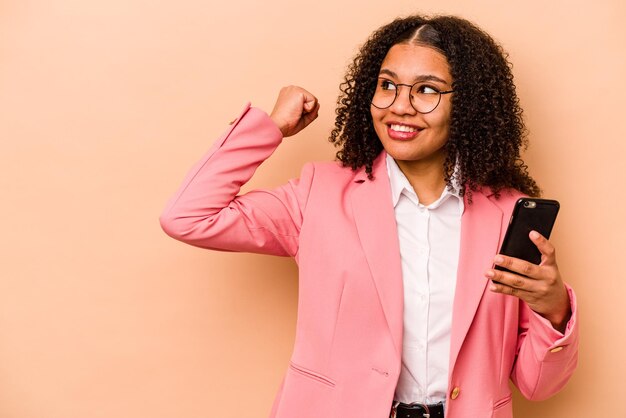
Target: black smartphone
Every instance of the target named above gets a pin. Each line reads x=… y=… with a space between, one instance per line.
x=529 y=214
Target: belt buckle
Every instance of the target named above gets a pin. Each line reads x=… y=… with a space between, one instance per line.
x=423 y=406
x=394 y=409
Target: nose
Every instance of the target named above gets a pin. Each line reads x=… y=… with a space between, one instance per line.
x=402 y=104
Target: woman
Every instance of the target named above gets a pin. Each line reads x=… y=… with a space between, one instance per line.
x=396 y=243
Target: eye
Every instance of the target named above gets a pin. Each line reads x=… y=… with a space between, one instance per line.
x=386 y=84
x=426 y=89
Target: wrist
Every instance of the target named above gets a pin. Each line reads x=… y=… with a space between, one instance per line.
x=559 y=322
x=279 y=124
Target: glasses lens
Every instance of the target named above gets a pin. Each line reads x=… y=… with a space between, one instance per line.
x=385 y=93
x=424 y=99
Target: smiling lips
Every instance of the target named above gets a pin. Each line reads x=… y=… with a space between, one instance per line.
x=402 y=132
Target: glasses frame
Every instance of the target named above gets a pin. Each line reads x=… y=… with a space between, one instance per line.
x=410 y=97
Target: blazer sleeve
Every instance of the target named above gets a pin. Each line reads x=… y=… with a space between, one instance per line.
x=546 y=358
x=207 y=211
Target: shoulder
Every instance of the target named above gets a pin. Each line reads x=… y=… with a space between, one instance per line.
x=335 y=175
x=329 y=170
x=505 y=199
x=507 y=196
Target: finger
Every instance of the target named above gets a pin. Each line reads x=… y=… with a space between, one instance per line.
x=509 y=290
x=312 y=114
x=544 y=246
x=507 y=278
x=309 y=101
x=310 y=104
x=517 y=265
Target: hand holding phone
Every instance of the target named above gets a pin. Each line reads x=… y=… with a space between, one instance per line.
x=533 y=280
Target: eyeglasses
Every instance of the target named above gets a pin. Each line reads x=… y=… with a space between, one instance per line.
x=424 y=98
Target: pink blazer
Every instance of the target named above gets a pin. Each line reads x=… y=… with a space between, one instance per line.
x=340 y=227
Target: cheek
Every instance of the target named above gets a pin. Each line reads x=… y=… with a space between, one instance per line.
x=442 y=123
x=439 y=131
x=377 y=115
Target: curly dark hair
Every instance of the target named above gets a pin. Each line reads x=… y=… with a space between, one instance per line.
x=487 y=130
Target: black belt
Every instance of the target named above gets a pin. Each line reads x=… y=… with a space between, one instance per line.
x=416 y=410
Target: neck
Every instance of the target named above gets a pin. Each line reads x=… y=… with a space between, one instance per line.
x=426 y=178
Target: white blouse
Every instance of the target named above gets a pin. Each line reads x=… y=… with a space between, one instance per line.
x=429 y=239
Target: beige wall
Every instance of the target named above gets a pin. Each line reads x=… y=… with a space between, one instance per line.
x=104 y=105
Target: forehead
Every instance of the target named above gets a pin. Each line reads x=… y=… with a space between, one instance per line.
x=411 y=61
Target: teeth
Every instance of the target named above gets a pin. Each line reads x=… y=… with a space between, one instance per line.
x=403 y=128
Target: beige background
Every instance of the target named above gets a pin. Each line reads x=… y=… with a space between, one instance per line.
x=104 y=105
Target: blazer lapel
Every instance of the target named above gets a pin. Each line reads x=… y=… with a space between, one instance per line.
x=480 y=234
x=375 y=221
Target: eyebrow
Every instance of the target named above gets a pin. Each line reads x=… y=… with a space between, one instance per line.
x=425 y=77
